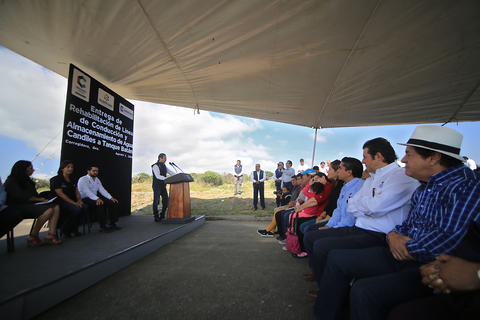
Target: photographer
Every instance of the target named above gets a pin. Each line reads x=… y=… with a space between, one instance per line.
x=278 y=183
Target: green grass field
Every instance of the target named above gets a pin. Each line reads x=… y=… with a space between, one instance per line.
x=209 y=200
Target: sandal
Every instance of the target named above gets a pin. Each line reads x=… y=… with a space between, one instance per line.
x=34 y=241
x=308 y=277
x=301 y=255
x=52 y=239
x=312 y=293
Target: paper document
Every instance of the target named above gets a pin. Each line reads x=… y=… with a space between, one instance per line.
x=45 y=202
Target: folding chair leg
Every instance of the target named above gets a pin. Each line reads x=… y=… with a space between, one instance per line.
x=33 y=224
x=10 y=241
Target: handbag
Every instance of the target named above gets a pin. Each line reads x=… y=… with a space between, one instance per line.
x=292 y=243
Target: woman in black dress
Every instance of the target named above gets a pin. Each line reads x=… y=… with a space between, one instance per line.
x=72 y=209
x=23 y=198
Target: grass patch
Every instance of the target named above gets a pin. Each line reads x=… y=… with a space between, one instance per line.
x=209 y=200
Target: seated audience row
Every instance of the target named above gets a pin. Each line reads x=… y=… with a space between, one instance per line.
x=392 y=231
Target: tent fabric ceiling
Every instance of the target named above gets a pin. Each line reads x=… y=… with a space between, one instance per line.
x=312 y=63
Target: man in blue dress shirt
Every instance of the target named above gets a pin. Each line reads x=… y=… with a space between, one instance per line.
x=442 y=208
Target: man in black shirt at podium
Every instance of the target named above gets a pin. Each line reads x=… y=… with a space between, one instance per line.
x=160 y=171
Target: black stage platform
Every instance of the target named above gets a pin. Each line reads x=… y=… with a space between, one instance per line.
x=35 y=279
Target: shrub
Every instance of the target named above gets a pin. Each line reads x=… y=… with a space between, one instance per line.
x=40 y=183
x=227 y=178
x=269 y=174
x=211 y=178
x=141 y=178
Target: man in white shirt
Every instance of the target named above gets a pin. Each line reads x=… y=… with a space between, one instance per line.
x=95 y=196
x=160 y=170
x=302 y=167
x=258 y=179
x=382 y=203
x=287 y=175
x=323 y=168
x=238 y=177
x=470 y=163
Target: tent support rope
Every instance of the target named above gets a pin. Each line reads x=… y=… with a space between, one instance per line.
x=467 y=97
x=314 y=145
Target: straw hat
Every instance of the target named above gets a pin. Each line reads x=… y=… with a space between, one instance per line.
x=437 y=138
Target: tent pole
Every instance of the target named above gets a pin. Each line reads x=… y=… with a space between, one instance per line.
x=314 y=145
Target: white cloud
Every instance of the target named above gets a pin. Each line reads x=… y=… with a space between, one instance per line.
x=196 y=143
x=32 y=102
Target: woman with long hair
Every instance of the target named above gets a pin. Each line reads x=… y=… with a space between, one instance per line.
x=71 y=206
x=22 y=196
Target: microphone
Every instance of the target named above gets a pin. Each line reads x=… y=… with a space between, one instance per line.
x=177 y=166
x=173 y=166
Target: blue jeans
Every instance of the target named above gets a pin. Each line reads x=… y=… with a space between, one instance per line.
x=311 y=225
x=71 y=216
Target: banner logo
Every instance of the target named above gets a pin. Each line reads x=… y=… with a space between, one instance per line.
x=81 y=81
x=81 y=87
x=126 y=111
x=105 y=99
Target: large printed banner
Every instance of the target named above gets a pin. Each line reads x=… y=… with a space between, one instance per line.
x=98 y=130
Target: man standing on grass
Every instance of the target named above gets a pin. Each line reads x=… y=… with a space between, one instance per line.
x=258 y=179
x=160 y=171
x=237 y=177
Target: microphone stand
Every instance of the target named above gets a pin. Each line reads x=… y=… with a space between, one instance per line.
x=173 y=166
x=178 y=167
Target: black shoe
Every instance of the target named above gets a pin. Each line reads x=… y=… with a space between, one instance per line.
x=105 y=229
x=156 y=218
x=265 y=233
x=254 y=209
x=77 y=234
x=114 y=227
x=262 y=232
x=280 y=238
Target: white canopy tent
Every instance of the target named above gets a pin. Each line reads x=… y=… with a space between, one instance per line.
x=311 y=63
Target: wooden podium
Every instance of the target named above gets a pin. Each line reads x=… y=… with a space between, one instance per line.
x=179 y=199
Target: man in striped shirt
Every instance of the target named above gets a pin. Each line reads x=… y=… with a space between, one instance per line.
x=441 y=210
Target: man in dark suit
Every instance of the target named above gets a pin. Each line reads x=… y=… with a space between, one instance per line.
x=160 y=170
x=258 y=179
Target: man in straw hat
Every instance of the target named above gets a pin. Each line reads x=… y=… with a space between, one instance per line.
x=442 y=208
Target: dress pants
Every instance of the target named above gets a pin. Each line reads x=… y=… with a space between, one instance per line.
x=319 y=242
x=458 y=306
x=289 y=185
x=258 y=188
x=381 y=282
x=109 y=208
x=237 y=182
x=160 y=189
x=278 y=188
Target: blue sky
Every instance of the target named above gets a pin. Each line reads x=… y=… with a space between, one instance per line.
x=32 y=100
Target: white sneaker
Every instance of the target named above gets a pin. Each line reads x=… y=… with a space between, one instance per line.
x=284 y=248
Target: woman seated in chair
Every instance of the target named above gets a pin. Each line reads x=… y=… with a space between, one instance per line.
x=23 y=198
x=71 y=206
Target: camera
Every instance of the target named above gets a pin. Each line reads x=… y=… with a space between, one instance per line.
x=278 y=193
